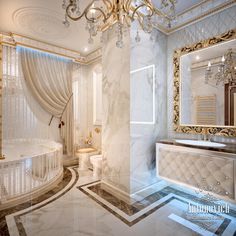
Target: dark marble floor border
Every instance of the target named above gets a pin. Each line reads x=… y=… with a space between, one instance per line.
x=121 y=217
x=128 y=209
x=131 y=209
x=67 y=176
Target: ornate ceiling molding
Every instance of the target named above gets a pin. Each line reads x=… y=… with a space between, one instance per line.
x=12 y=39
x=46 y=24
x=196 y=13
x=40 y=22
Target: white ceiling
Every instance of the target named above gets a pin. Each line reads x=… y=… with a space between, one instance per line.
x=181 y=6
x=42 y=20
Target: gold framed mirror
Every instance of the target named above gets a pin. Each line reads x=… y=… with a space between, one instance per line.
x=205 y=86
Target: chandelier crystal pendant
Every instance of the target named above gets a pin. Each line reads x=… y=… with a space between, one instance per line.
x=103 y=14
x=226 y=72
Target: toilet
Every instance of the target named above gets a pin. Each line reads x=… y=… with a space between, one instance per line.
x=96 y=161
x=84 y=155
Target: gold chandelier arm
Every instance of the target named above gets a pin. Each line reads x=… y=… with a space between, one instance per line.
x=102 y=14
x=160 y=13
x=127 y=21
x=140 y=20
x=110 y=7
x=108 y=4
x=140 y=6
x=127 y=5
x=78 y=17
x=105 y=16
x=98 y=17
x=148 y=2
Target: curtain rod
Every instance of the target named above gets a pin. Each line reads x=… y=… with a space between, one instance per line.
x=40 y=41
x=76 y=60
x=44 y=50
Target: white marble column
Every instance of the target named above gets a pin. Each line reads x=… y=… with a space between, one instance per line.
x=116 y=112
x=148 y=58
x=128 y=147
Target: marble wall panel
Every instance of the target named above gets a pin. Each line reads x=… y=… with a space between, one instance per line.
x=83 y=75
x=116 y=112
x=149 y=51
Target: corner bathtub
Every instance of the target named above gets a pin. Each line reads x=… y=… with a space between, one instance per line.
x=31 y=167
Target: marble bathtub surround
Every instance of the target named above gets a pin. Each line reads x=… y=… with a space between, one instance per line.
x=32 y=168
x=67 y=177
x=129 y=137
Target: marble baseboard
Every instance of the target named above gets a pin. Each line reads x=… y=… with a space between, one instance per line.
x=129 y=198
x=70 y=161
x=33 y=194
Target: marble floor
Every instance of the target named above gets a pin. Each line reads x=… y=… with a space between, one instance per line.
x=79 y=206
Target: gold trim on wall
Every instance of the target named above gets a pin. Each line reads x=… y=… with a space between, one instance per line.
x=217 y=9
x=217 y=130
x=83 y=60
x=43 y=42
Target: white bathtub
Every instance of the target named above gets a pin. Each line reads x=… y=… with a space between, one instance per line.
x=30 y=167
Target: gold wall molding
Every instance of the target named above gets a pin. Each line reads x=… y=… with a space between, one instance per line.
x=184 y=19
x=217 y=130
x=12 y=39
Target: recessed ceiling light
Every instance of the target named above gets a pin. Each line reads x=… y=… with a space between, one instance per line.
x=197 y=57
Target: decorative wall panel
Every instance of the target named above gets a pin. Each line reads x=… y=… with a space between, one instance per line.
x=23 y=117
x=207 y=28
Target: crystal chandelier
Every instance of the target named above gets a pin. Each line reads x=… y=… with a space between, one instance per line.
x=226 y=72
x=102 y=14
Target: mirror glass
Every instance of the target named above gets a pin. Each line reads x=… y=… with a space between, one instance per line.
x=208 y=86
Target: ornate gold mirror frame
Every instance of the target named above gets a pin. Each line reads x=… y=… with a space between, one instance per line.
x=223 y=130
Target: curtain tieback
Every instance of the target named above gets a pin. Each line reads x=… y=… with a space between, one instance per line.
x=50 y=120
x=61 y=122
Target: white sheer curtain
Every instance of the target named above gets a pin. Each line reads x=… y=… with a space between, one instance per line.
x=23 y=117
x=49 y=80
